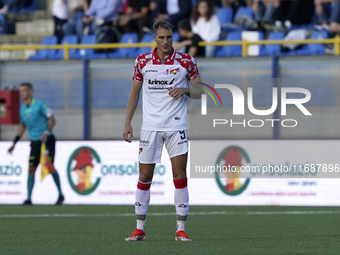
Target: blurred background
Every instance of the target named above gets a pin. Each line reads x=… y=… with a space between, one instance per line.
x=88 y=88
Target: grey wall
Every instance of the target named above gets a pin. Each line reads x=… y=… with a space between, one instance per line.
x=60 y=84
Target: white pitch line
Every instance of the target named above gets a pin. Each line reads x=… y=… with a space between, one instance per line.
x=164 y=214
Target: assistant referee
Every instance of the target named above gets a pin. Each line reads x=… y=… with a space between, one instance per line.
x=38 y=118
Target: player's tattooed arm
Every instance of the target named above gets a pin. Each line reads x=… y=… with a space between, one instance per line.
x=197 y=91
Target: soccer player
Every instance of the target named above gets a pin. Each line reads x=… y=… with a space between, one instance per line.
x=39 y=120
x=164 y=75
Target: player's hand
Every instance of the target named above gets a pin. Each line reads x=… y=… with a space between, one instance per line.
x=176 y=92
x=10 y=150
x=128 y=132
x=43 y=138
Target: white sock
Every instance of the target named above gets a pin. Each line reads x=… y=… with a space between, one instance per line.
x=142 y=203
x=182 y=207
x=141 y=224
x=180 y=226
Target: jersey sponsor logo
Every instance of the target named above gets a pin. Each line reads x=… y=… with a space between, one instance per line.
x=160 y=82
x=151 y=71
x=160 y=88
x=174 y=71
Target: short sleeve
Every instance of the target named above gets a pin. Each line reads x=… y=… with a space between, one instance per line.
x=194 y=40
x=22 y=119
x=46 y=110
x=137 y=75
x=193 y=70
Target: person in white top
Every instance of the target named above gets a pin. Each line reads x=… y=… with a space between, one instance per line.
x=206 y=24
x=60 y=16
x=164 y=75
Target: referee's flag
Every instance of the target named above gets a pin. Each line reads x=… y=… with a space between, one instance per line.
x=45 y=162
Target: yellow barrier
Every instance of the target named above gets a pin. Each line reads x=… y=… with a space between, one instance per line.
x=244 y=43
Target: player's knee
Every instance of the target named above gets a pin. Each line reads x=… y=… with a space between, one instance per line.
x=181 y=183
x=180 y=174
x=32 y=169
x=143 y=178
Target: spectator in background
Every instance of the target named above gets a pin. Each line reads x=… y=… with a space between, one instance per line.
x=323 y=12
x=206 y=24
x=189 y=40
x=136 y=17
x=70 y=27
x=11 y=5
x=99 y=13
x=234 y=4
x=156 y=7
x=263 y=12
x=60 y=16
x=298 y=12
x=176 y=10
x=333 y=13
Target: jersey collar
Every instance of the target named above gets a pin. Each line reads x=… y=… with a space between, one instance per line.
x=32 y=102
x=155 y=56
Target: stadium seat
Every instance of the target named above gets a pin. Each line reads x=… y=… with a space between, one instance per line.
x=3 y=25
x=232 y=50
x=262 y=47
x=314 y=49
x=225 y=15
x=306 y=26
x=273 y=49
x=89 y=53
x=245 y=11
x=147 y=38
x=32 y=6
x=70 y=39
x=45 y=54
x=126 y=52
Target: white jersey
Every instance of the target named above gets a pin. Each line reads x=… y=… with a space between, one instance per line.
x=160 y=111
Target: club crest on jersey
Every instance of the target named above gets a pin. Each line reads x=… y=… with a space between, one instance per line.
x=174 y=71
x=140 y=150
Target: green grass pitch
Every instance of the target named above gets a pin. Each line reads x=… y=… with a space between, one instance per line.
x=214 y=229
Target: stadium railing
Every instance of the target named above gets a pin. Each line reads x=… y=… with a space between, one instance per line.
x=244 y=44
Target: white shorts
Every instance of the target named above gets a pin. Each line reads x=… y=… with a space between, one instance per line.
x=151 y=145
